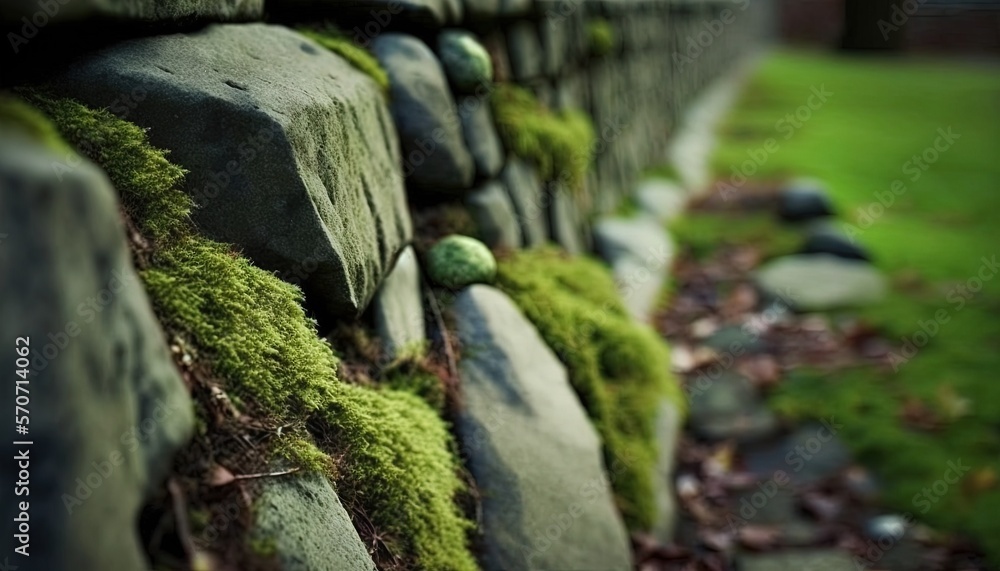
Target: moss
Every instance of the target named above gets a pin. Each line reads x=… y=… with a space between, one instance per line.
x=402 y=475
x=457 y=261
x=146 y=181
x=703 y=232
x=600 y=37
x=413 y=376
x=398 y=468
x=337 y=42
x=619 y=368
x=560 y=144
x=264 y=546
x=18 y=117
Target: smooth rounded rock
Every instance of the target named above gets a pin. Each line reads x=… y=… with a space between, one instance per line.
x=801 y=203
x=466 y=62
x=458 y=261
x=818 y=282
x=435 y=157
x=881 y=526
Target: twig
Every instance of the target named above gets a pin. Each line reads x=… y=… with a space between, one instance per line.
x=439 y=321
x=265 y=475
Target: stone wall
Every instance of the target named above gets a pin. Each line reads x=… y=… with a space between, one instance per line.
x=294 y=154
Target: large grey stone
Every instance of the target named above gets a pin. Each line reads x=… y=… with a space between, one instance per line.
x=525 y=190
x=534 y=455
x=565 y=222
x=145 y=11
x=818 y=282
x=434 y=153
x=661 y=198
x=399 y=307
x=493 y=213
x=640 y=253
x=107 y=408
x=290 y=150
x=308 y=526
x=481 y=136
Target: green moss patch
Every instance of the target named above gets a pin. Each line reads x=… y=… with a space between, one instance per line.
x=560 y=144
x=600 y=37
x=393 y=455
x=619 y=368
x=337 y=42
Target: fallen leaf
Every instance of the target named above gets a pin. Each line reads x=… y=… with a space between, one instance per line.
x=220 y=476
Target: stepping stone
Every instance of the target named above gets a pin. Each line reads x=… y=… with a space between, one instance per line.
x=819 y=282
x=661 y=198
x=823 y=238
x=804 y=200
x=535 y=456
x=640 y=253
x=730 y=408
x=805 y=560
x=812 y=453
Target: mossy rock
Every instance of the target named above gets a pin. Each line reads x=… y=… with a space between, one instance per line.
x=305 y=181
x=458 y=261
x=397 y=470
x=337 y=42
x=108 y=406
x=531 y=448
x=466 y=62
x=560 y=144
x=619 y=368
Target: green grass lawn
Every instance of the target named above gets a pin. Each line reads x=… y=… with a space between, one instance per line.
x=930 y=240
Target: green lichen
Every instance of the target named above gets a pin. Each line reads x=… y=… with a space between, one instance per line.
x=618 y=368
x=600 y=37
x=395 y=454
x=17 y=117
x=458 y=261
x=560 y=144
x=337 y=42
